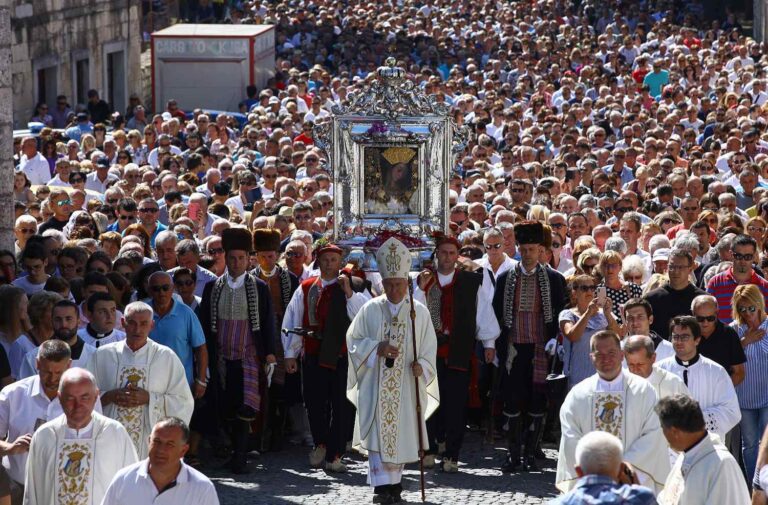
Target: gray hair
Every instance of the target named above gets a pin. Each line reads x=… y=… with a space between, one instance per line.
x=137 y=308
x=599 y=453
x=636 y=343
x=54 y=350
x=297 y=242
x=659 y=241
x=187 y=246
x=616 y=244
x=301 y=235
x=634 y=264
x=703 y=300
x=493 y=232
x=74 y=376
x=166 y=236
x=725 y=243
x=687 y=242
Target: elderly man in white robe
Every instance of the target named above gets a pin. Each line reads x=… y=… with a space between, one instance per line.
x=619 y=403
x=383 y=372
x=73 y=458
x=708 y=383
x=143 y=380
x=705 y=473
x=640 y=356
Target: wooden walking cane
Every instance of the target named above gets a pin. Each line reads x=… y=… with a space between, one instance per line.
x=418 y=400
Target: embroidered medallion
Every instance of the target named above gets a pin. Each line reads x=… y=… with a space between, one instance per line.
x=608 y=413
x=132 y=418
x=74 y=474
x=390 y=381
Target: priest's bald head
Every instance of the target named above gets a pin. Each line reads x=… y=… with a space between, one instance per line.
x=605 y=351
x=78 y=393
x=599 y=453
x=640 y=354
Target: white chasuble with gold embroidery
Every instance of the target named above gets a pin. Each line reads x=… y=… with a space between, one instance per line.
x=154 y=368
x=624 y=408
x=75 y=467
x=385 y=398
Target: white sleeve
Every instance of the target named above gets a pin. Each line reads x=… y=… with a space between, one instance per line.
x=294 y=315
x=725 y=413
x=487 y=325
x=356 y=302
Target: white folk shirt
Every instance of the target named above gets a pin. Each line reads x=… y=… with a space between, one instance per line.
x=155 y=368
x=132 y=486
x=109 y=449
x=24 y=407
x=486 y=325
x=623 y=407
x=711 y=386
x=293 y=345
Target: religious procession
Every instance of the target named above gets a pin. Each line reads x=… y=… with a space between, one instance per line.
x=423 y=251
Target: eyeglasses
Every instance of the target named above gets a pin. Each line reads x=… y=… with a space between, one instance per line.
x=743 y=257
x=706 y=319
x=216 y=250
x=30 y=231
x=674 y=268
x=62 y=203
x=270 y=176
x=557 y=226
x=185 y=284
x=160 y=288
x=294 y=255
x=744 y=309
x=125 y=218
x=585 y=289
x=149 y=210
x=493 y=246
x=690 y=209
x=756 y=229
x=623 y=209
x=75 y=180
x=680 y=338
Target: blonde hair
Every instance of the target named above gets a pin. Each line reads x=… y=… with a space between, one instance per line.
x=751 y=294
x=538 y=213
x=609 y=257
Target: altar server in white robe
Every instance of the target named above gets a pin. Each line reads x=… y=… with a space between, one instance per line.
x=617 y=402
x=640 y=357
x=142 y=380
x=705 y=472
x=387 y=420
x=73 y=458
x=708 y=383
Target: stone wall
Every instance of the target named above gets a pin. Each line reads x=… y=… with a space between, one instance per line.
x=55 y=32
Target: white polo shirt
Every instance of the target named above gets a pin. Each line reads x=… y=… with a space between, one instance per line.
x=133 y=485
x=23 y=408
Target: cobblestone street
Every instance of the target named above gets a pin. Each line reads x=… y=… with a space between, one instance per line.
x=284 y=478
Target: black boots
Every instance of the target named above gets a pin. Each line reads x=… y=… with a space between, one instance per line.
x=388 y=494
x=535 y=425
x=239 y=462
x=514 y=438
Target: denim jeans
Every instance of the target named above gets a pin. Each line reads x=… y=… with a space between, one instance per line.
x=753 y=423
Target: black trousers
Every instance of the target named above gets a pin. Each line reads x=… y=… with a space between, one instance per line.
x=449 y=420
x=331 y=415
x=517 y=385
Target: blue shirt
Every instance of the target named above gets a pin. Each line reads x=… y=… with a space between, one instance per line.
x=656 y=81
x=599 y=489
x=180 y=330
x=753 y=390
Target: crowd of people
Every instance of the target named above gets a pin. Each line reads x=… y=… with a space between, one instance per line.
x=608 y=219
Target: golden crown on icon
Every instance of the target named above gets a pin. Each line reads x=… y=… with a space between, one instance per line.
x=395 y=155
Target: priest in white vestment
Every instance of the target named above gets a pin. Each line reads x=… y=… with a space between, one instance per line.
x=617 y=402
x=640 y=357
x=705 y=472
x=73 y=458
x=142 y=380
x=708 y=382
x=385 y=397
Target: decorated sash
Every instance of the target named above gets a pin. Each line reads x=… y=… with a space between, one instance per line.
x=390 y=383
x=74 y=472
x=132 y=418
x=608 y=413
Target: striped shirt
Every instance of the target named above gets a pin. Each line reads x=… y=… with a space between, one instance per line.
x=722 y=286
x=753 y=391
